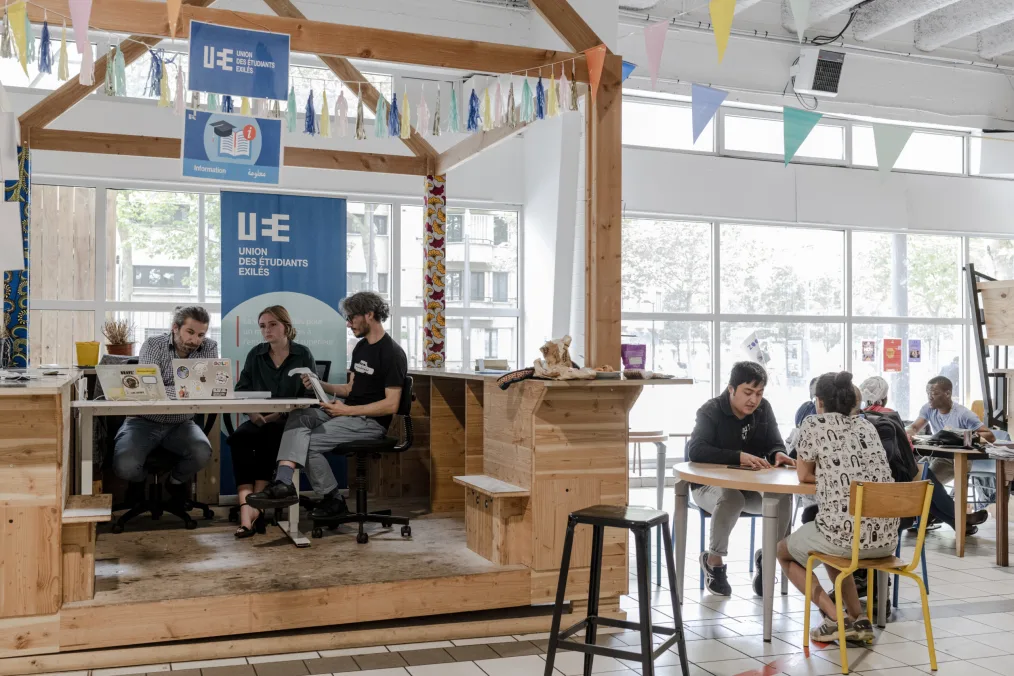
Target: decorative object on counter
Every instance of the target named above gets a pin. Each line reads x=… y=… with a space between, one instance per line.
x=87 y=353
x=515 y=377
x=607 y=373
x=638 y=374
x=557 y=365
x=119 y=335
x=633 y=356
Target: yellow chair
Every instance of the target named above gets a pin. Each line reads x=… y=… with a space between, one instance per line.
x=886 y=501
x=979 y=409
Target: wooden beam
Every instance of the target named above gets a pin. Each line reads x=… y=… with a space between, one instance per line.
x=169 y=148
x=475 y=144
x=567 y=23
x=349 y=74
x=71 y=92
x=317 y=37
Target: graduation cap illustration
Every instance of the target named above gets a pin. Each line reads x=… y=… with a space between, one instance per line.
x=223 y=128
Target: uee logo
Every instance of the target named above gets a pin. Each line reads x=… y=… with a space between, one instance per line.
x=275 y=225
x=223 y=58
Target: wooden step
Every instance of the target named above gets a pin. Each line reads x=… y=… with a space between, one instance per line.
x=494 y=488
x=88 y=508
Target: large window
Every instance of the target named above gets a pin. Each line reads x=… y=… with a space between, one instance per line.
x=925 y=151
x=664 y=125
x=763 y=135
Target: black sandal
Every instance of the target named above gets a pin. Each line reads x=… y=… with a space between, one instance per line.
x=259 y=528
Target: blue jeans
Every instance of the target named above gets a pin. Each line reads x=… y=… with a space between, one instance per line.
x=138 y=437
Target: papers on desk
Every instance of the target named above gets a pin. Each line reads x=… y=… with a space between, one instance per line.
x=315 y=381
x=1003 y=452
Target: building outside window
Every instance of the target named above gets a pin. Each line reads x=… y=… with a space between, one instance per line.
x=478 y=287
x=453 y=282
x=501 y=280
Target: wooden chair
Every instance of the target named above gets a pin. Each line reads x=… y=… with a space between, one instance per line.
x=883 y=501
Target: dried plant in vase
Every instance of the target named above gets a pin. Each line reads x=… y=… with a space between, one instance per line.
x=119 y=335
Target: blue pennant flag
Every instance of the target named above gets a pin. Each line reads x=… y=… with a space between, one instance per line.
x=704 y=103
x=628 y=68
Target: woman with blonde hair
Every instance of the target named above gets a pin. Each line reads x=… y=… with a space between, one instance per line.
x=254 y=444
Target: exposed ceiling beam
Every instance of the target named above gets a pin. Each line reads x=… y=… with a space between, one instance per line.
x=72 y=92
x=882 y=16
x=819 y=11
x=169 y=148
x=350 y=75
x=322 y=38
x=996 y=41
x=567 y=23
x=475 y=144
x=960 y=19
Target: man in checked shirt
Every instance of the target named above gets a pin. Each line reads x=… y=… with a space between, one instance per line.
x=178 y=434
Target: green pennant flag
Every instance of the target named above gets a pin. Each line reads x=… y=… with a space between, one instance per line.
x=798 y=125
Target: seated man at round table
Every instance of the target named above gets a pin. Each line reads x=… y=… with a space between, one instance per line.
x=738 y=428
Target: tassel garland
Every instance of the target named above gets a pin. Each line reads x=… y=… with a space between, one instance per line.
x=153 y=86
x=63 y=70
x=7 y=40
x=325 y=116
x=487 y=111
x=181 y=92
x=87 y=74
x=406 y=117
x=30 y=40
x=195 y=100
x=290 y=111
x=436 y=113
x=394 y=119
x=227 y=105
x=276 y=109
x=473 y=112
x=46 y=51
x=552 y=109
x=540 y=99
x=498 y=113
x=380 y=120
x=512 y=111
x=244 y=106
x=564 y=87
x=422 y=114
x=573 y=86
x=163 y=95
x=360 y=118
x=212 y=103
x=120 y=72
x=109 y=79
x=341 y=114
x=310 y=124
x=527 y=104
x=453 y=124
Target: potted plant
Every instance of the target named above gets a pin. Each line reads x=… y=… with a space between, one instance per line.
x=119 y=337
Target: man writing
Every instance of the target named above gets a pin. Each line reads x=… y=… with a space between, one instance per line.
x=371 y=397
x=737 y=428
x=178 y=434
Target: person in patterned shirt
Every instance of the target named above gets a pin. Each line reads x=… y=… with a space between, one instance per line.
x=178 y=434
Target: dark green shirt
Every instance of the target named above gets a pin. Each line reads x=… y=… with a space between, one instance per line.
x=260 y=375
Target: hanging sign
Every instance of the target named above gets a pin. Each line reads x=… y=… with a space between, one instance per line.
x=225 y=147
x=238 y=62
x=914 y=351
x=892 y=355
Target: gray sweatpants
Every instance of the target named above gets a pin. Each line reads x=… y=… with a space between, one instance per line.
x=311 y=432
x=725 y=506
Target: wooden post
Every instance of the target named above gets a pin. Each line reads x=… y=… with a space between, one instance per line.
x=435 y=325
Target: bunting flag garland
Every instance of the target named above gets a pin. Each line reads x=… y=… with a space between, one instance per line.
x=290 y=111
x=498 y=113
x=890 y=140
x=310 y=123
x=436 y=113
x=46 y=50
x=30 y=39
x=596 y=57
x=527 y=104
x=486 y=111
x=120 y=72
x=573 y=85
x=63 y=70
x=654 y=45
x=181 y=92
x=341 y=114
x=244 y=106
x=801 y=15
x=394 y=118
x=798 y=125
x=704 y=103
x=325 y=116
x=628 y=68
x=552 y=109
x=173 y=10
x=512 y=111
x=422 y=114
x=18 y=18
x=453 y=124
x=227 y=105
x=540 y=99
x=7 y=40
x=380 y=119
x=360 y=122
x=80 y=15
x=473 y=112
x=406 y=117
x=722 y=12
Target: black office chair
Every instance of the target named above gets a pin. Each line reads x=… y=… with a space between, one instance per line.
x=363 y=451
x=323 y=369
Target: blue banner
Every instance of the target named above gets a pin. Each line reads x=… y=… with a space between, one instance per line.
x=238 y=62
x=225 y=147
x=283 y=250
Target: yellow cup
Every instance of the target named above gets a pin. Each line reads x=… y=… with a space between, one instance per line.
x=87 y=353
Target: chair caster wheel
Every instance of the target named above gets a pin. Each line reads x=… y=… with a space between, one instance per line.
x=209 y=514
x=362 y=538
x=386 y=524
x=406 y=531
x=117 y=528
x=191 y=525
x=317 y=532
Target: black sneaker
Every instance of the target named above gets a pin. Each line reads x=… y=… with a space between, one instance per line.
x=329 y=508
x=863 y=629
x=758 y=580
x=276 y=495
x=976 y=518
x=716 y=578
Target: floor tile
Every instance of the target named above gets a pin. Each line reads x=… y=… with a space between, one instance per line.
x=207 y=664
x=800 y=665
x=331 y=665
x=472 y=653
x=998 y=620
x=531 y=637
x=285 y=668
x=911 y=653
x=372 y=650
x=451 y=669
x=237 y=670
x=897 y=671
x=960 y=626
x=263 y=659
x=732 y=667
x=957 y=668
x=512 y=666
x=180 y=672
x=916 y=631
x=966 y=648
x=756 y=646
x=675 y=670
x=141 y=669
x=386 y=660
x=419 y=646
x=711 y=651
x=384 y=672
x=418 y=658
x=1001 y=665
x=860 y=659
x=998 y=640
x=516 y=649
x=491 y=639
x=572 y=664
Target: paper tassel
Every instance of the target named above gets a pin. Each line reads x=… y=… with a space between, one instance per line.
x=394 y=119
x=276 y=109
x=360 y=119
x=564 y=91
x=484 y=111
x=422 y=114
x=453 y=124
x=473 y=112
x=325 y=116
x=406 y=117
x=290 y=111
x=120 y=72
x=109 y=76
x=195 y=100
x=153 y=85
x=87 y=74
x=540 y=99
x=180 y=104
x=380 y=120
x=46 y=51
x=573 y=85
x=341 y=114
x=227 y=105
x=512 y=111
x=498 y=112
x=436 y=114
x=163 y=96
x=244 y=106
x=310 y=123
x=63 y=70
x=552 y=107
x=7 y=41
x=30 y=39
x=19 y=18
x=527 y=104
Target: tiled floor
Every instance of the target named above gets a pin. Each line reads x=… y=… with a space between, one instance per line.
x=972 y=605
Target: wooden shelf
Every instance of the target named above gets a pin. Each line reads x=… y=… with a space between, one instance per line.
x=88 y=508
x=494 y=488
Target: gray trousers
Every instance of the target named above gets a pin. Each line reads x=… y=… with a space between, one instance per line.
x=943 y=468
x=138 y=437
x=311 y=432
x=725 y=506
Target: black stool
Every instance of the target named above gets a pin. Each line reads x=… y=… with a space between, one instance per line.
x=640 y=520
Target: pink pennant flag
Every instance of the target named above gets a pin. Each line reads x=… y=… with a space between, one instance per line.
x=654 y=43
x=80 y=15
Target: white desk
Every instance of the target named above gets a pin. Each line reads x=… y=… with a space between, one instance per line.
x=88 y=409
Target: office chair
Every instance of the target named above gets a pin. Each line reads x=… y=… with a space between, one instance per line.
x=363 y=451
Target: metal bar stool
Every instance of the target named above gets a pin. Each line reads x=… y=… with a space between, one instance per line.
x=640 y=520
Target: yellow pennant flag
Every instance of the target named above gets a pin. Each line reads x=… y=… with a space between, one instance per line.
x=721 y=22
x=173 y=8
x=16 y=16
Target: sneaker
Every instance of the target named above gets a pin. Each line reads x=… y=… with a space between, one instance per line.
x=863 y=629
x=976 y=518
x=716 y=578
x=827 y=632
x=277 y=494
x=329 y=508
x=758 y=581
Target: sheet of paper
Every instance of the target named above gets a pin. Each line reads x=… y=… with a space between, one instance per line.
x=315 y=381
x=11 y=245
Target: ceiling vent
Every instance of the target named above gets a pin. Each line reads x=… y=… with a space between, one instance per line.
x=817 y=72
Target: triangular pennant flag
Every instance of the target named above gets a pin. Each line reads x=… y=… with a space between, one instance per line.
x=173 y=7
x=654 y=43
x=628 y=68
x=798 y=125
x=596 y=58
x=18 y=16
x=704 y=103
x=721 y=22
x=801 y=15
x=890 y=140
x=80 y=15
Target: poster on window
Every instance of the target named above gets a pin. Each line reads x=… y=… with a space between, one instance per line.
x=914 y=351
x=283 y=250
x=869 y=351
x=892 y=355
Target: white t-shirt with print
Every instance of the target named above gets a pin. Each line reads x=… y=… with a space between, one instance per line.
x=845 y=449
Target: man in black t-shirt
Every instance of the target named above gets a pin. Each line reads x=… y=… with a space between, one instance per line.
x=377 y=374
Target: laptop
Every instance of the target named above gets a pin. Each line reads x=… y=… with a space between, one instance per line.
x=203 y=378
x=131 y=382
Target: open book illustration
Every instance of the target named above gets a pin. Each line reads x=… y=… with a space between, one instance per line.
x=315 y=381
x=234 y=145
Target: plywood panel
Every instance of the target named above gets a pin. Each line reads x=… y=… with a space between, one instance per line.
x=30 y=561
x=30 y=452
x=63 y=243
x=78 y=562
x=414 y=464
x=614 y=580
x=29 y=635
x=507 y=433
x=54 y=333
x=447 y=443
x=473 y=426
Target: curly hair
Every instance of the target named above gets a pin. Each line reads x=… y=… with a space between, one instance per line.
x=366 y=302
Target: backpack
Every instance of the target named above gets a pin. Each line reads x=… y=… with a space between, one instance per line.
x=895 y=441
